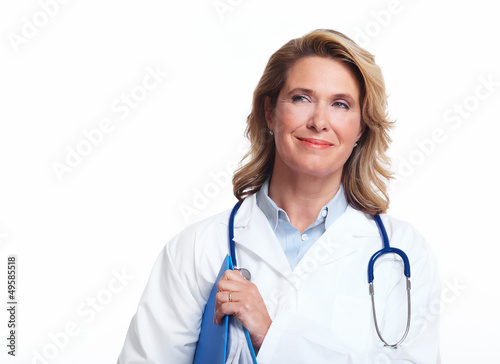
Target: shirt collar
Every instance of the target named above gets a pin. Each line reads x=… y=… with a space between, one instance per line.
x=333 y=209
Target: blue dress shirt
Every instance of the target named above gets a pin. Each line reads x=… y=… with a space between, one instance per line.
x=295 y=244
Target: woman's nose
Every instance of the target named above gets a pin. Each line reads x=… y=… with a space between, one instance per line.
x=319 y=120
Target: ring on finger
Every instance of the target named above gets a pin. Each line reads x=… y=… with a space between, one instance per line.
x=229 y=296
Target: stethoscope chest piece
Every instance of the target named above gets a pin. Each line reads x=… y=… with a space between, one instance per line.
x=245 y=273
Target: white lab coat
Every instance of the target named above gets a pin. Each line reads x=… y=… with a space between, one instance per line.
x=321 y=311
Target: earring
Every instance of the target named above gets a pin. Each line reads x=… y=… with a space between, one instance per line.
x=271 y=132
x=355 y=144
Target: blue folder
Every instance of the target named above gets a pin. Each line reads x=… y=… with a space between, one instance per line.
x=212 y=347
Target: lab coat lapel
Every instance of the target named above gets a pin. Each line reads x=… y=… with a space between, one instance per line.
x=339 y=240
x=253 y=233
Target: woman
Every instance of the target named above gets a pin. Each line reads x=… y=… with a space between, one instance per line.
x=315 y=175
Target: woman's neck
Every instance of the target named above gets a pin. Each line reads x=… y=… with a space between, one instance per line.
x=302 y=196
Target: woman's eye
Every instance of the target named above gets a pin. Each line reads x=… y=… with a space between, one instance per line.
x=298 y=98
x=341 y=104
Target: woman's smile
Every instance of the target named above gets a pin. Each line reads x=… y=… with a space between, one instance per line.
x=315 y=143
x=316 y=119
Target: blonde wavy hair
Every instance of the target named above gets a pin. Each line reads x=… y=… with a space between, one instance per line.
x=365 y=174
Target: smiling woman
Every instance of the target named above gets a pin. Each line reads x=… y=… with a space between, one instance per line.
x=355 y=84
x=309 y=188
x=316 y=121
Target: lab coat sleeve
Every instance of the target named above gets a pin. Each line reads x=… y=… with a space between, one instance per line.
x=166 y=326
x=295 y=339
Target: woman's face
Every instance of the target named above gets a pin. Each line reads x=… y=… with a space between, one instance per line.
x=317 y=118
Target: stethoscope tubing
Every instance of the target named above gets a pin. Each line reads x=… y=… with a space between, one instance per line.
x=387 y=249
x=231 y=232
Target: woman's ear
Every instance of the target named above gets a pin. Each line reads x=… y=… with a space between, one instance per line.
x=268 y=110
x=362 y=128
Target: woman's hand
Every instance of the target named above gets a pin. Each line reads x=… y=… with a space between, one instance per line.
x=241 y=298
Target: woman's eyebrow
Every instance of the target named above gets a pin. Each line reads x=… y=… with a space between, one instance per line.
x=300 y=90
x=348 y=97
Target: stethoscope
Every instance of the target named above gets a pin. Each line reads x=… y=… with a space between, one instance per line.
x=387 y=249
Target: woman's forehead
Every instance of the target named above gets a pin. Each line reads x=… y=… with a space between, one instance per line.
x=322 y=75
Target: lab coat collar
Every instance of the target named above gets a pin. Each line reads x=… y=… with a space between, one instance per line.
x=334 y=208
x=253 y=232
x=340 y=240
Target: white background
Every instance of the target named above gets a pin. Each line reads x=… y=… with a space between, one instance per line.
x=117 y=208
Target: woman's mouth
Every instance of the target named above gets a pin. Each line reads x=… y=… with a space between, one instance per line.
x=315 y=143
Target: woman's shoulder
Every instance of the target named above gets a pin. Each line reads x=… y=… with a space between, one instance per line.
x=402 y=234
x=204 y=231
x=208 y=237
x=406 y=236
x=216 y=221
x=398 y=228
x=194 y=255
x=393 y=225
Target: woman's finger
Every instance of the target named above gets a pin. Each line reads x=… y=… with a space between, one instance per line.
x=232 y=281
x=226 y=309
x=241 y=298
x=226 y=296
x=232 y=275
